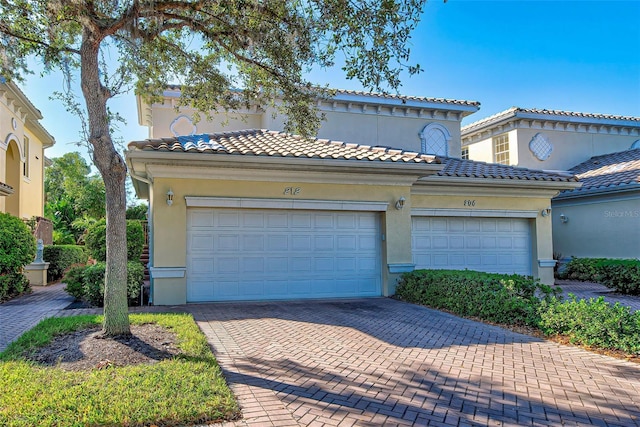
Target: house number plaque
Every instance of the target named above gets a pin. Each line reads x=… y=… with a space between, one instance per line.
x=292 y=191
x=469 y=203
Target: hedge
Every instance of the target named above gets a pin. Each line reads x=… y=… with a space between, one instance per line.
x=623 y=275
x=96 y=240
x=594 y=323
x=17 y=249
x=61 y=257
x=86 y=282
x=502 y=298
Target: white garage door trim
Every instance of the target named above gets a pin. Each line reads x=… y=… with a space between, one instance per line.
x=302 y=204
x=491 y=244
x=270 y=254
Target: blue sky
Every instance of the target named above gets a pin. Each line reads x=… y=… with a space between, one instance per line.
x=574 y=55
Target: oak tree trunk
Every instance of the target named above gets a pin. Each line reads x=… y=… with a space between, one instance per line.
x=113 y=171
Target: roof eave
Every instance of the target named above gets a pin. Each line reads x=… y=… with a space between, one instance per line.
x=598 y=191
x=499 y=182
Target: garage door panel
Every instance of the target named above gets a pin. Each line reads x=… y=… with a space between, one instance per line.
x=490 y=244
x=270 y=254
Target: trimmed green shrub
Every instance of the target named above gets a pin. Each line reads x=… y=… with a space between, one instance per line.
x=74 y=281
x=17 y=244
x=96 y=240
x=12 y=284
x=87 y=282
x=501 y=298
x=623 y=275
x=61 y=257
x=17 y=249
x=594 y=322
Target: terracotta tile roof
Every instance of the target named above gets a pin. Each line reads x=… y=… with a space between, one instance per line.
x=558 y=115
x=609 y=171
x=255 y=142
x=407 y=98
x=473 y=169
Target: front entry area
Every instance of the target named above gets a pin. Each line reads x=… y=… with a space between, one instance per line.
x=272 y=254
x=493 y=245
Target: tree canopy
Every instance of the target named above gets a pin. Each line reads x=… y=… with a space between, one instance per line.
x=212 y=49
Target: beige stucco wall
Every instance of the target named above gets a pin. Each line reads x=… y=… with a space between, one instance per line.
x=600 y=227
x=395 y=130
x=28 y=197
x=169 y=247
x=570 y=148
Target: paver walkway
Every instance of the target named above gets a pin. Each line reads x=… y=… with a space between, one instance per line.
x=586 y=290
x=21 y=314
x=382 y=362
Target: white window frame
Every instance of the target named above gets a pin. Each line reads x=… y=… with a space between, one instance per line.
x=437 y=127
x=501 y=149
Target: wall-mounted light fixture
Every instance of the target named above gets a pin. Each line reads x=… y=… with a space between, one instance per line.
x=400 y=203
x=564 y=219
x=545 y=212
x=169 y=197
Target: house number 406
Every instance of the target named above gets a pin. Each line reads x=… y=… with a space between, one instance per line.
x=292 y=191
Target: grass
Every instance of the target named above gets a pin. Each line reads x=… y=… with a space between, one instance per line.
x=188 y=389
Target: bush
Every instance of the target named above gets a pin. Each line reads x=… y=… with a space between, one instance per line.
x=87 y=282
x=594 y=323
x=17 y=249
x=12 y=284
x=61 y=257
x=502 y=298
x=96 y=240
x=623 y=275
x=17 y=244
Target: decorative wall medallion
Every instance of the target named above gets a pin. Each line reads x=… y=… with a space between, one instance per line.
x=14 y=123
x=182 y=125
x=540 y=147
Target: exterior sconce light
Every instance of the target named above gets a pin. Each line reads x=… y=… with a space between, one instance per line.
x=545 y=212
x=169 y=197
x=564 y=219
x=400 y=203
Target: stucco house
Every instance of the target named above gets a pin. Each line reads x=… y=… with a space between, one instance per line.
x=23 y=140
x=238 y=212
x=600 y=219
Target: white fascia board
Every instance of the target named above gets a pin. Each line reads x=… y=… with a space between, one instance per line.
x=403 y=102
x=295 y=204
x=606 y=191
x=494 y=182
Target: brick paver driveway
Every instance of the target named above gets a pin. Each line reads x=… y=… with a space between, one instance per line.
x=383 y=362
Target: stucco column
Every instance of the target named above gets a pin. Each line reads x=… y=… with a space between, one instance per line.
x=543 y=261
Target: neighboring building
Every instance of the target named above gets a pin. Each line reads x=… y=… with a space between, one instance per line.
x=246 y=214
x=22 y=144
x=548 y=139
x=601 y=219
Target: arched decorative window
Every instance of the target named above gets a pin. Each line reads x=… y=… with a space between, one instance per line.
x=435 y=139
x=636 y=144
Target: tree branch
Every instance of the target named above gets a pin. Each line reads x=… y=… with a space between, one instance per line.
x=6 y=30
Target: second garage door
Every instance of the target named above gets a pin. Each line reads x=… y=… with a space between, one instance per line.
x=254 y=254
x=495 y=245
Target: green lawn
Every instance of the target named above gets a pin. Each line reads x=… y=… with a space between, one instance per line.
x=181 y=391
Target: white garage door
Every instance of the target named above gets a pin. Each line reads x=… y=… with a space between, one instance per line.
x=252 y=254
x=495 y=245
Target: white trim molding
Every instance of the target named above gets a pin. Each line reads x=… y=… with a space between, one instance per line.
x=300 y=204
x=480 y=213
x=167 y=272
x=547 y=263
x=400 y=267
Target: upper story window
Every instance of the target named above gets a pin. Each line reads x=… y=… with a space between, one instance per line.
x=25 y=151
x=501 y=149
x=465 y=153
x=435 y=139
